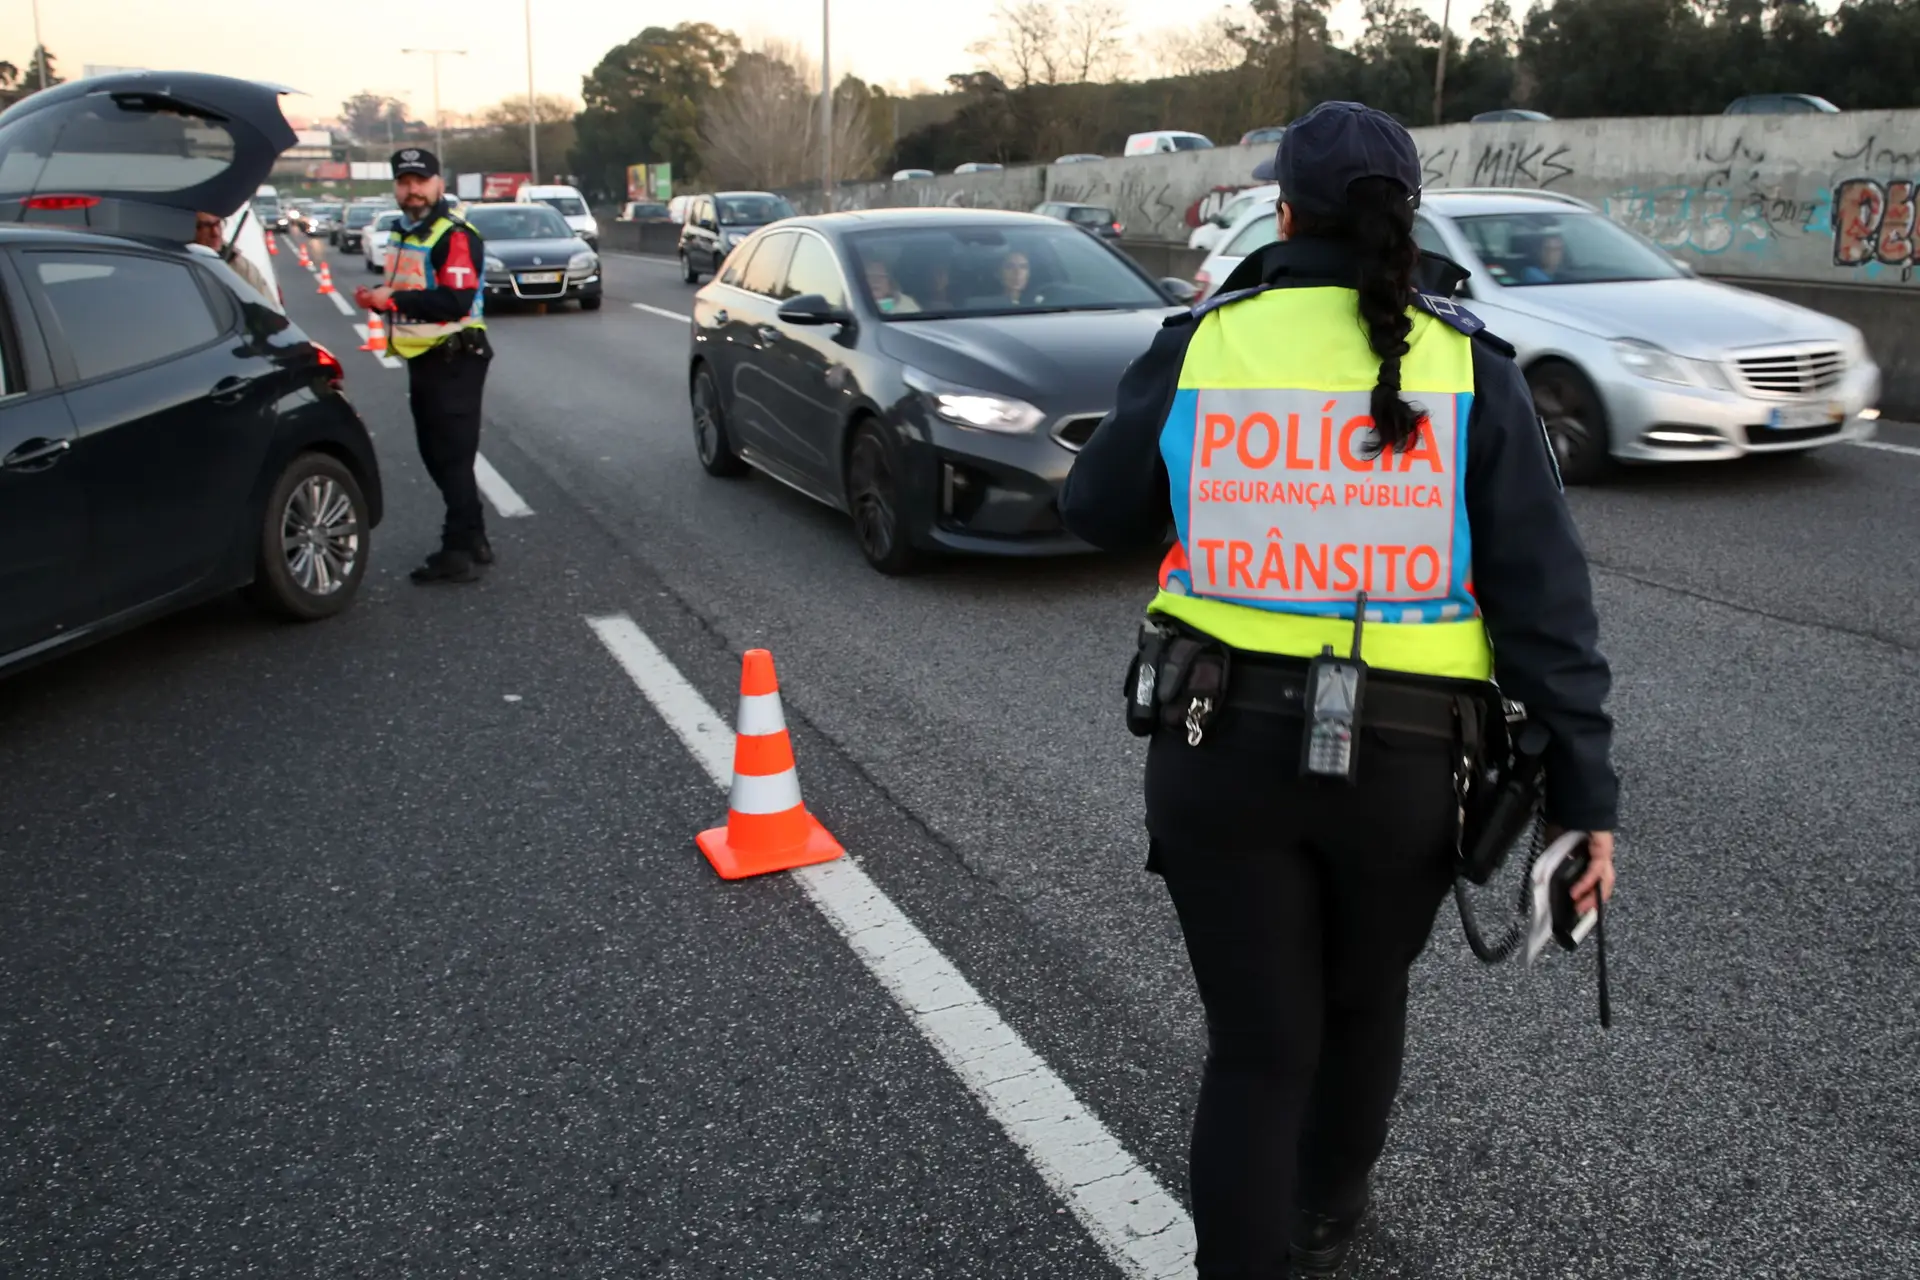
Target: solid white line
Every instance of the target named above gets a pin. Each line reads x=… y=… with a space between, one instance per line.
x=341 y=304
x=1142 y=1228
x=1890 y=448
x=662 y=311
x=498 y=491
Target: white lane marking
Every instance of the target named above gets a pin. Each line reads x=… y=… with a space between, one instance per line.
x=341 y=305
x=1142 y=1228
x=498 y=491
x=663 y=312
x=1908 y=449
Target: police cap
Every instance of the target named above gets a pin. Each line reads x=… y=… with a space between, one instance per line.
x=1335 y=145
x=416 y=160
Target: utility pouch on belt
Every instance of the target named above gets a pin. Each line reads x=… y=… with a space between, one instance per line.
x=1502 y=800
x=1143 y=676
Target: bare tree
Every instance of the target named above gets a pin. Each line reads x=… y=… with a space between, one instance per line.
x=1208 y=45
x=551 y=108
x=1093 y=43
x=1025 y=48
x=761 y=128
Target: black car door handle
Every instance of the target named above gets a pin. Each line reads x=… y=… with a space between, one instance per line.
x=768 y=335
x=35 y=454
x=720 y=317
x=228 y=390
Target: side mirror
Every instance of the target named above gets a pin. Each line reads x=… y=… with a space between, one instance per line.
x=811 y=308
x=1180 y=291
x=1218 y=220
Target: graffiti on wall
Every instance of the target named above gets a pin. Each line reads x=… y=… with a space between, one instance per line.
x=1873 y=224
x=1714 y=220
x=1497 y=164
x=1137 y=200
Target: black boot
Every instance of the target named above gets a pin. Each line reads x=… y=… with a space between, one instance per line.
x=447 y=565
x=482 y=549
x=1321 y=1240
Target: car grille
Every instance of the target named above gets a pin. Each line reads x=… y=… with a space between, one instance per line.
x=1801 y=371
x=1073 y=433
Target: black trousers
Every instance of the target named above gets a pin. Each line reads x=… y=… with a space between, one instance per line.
x=444 y=391
x=1304 y=903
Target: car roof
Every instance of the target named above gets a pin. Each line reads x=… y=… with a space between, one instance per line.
x=43 y=235
x=888 y=219
x=1475 y=201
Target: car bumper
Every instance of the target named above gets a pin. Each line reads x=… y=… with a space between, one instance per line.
x=1662 y=422
x=986 y=493
x=509 y=286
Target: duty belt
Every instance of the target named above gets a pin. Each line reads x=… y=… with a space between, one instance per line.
x=1277 y=687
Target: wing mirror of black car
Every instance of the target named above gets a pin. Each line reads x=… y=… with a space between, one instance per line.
x=1180 y=291
x=811 y=308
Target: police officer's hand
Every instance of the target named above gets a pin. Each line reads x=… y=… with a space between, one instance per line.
x=380 y=298
x=1599 y=874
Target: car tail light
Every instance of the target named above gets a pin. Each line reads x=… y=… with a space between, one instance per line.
x=1203 y=282
x=1118 y=229
x=62 y=202
x=330 y=367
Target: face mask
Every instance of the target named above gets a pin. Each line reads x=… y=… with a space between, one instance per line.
x=886 y=305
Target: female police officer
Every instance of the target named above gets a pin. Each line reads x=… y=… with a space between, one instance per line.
x=1269 y=425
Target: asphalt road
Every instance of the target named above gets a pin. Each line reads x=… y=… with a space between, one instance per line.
x=381 y=947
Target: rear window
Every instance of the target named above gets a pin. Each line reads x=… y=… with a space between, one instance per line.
x=1261 y=231
x=1189 y=142
x=1090 y=215
x=566 y=206
x=753 y=210
x=361 y=216
x=97 y=146
x=118 y=312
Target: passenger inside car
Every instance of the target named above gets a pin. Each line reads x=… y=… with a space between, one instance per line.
x=885 y=291
x=1549 y=255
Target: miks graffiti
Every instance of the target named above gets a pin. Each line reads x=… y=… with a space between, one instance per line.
x=1137 y=201
x=1873 y=222
x=1501 y=164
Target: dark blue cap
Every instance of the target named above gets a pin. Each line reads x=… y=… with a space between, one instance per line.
x=1335 y=145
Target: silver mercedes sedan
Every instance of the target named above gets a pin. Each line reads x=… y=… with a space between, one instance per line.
x=1632 y=356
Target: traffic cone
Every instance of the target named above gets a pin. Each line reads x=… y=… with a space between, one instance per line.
x=326 y=278
x=305 y=261
x=273 y=246
x=768 y=828
x=376 y=334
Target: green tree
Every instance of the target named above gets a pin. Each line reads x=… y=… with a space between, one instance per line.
x=643 y=104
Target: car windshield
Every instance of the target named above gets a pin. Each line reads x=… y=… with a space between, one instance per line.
x=1562 y=248
x=326 y=211
x=361 y=215
x=387 y=221
x=518 y=222
x=753 y=211
x=1090 y=215
x=959 y=270
x=1188 y=142
x=649 y=211
x=1263 y=230
x=566 y=206
x=266 y=205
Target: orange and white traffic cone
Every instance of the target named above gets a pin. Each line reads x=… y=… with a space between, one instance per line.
x=768 y=827
x=273 y=246
x=326 y=278
x=376 y=334
x=305 y=261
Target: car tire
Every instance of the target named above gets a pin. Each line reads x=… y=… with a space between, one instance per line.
x=687 y=272
x=711 y=439
x=1575 y=419
x=316 y=505
x=591 y=302
x=874 y=476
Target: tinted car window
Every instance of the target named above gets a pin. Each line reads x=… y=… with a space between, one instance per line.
x=1427 y=236
x=566 y=206
x=519 y=222
x=118 y=312
x=1562 y=248
x=737 y=263
x=1088 y=215
x=1189 y=143
x=95 y=145
x=360 y=215
x=959 y=268
x=769 y=265
x=1261 y=231
x=753 y=210
x=815 y=270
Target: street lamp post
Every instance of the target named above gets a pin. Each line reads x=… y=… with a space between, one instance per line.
x=439 y=133
x=826 y=101
x=39 y=48
x=1440 y=68
x=533 y=111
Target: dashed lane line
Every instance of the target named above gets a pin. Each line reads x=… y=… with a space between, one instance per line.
x=494 y=485
x=682 y=317
x=341 y=305
x=1910 y=450
x=1133 y=1219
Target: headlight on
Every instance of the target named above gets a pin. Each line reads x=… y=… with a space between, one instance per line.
x=581 y=263
x=1645 y=360
x=980 y=410
x=494 y=264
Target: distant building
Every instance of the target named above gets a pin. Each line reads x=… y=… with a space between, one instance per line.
x=311 y=147
x=101 y=69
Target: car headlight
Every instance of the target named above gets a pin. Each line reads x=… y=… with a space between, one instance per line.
x=582 y=262
x=1853 y=348
x=1645 y=360
x=980 y=410
x=494 y=264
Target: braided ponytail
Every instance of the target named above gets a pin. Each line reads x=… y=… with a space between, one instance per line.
x=1378 y=222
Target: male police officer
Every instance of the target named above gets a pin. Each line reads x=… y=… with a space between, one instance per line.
x=434 y=291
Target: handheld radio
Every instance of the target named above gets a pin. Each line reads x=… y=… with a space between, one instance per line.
x=1335 y=686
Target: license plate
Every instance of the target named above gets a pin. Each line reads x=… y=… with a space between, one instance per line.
x=1787 y=417
x=540 y=277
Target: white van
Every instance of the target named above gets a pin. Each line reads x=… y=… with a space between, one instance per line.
x=569 y=204
x=1164 y=140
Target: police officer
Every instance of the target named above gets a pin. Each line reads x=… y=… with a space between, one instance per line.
x=434 y=291
x=1317 y=430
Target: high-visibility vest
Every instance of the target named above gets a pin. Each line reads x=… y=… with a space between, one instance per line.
x=410 y=266
x=1283 y=518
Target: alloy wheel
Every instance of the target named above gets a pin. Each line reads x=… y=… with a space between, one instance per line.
x=875 y=501
x=320 y=535
x=706 y=420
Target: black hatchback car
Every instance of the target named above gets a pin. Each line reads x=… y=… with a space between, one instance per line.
x=930 y=371
x=716 y=224
x=165 y=435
